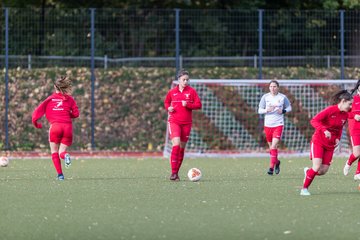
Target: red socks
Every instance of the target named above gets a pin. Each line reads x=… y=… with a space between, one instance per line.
x=310 y=175
x=351 y=159
x=57 y=164
x=174 y=158
x=181 y=158
x=358 y=168
x=273 y=157
x=62 y=155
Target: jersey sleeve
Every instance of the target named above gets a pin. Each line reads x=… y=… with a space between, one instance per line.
x=167 y=101
x=262 y=105
x=74 y=113
x=196 y=104
x=39 y=112
x=317 y=120
x=287 y=105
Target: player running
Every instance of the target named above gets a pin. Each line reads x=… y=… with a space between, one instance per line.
x=274 y=105
x=59 y=109
x=328 y=126
x=354 y=129
x=179 y=102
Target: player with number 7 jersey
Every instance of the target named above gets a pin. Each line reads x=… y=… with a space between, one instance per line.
x=60 y=108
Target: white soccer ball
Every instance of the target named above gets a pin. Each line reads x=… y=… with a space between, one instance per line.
x=194 y=174
x=4 y=161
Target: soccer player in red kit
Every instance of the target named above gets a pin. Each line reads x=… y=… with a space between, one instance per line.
x=328 y=126
x=179 y=102
x=60 y=108
x=354 y=129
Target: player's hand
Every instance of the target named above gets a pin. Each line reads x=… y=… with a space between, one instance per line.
x=171 y=109
x=270 y=109
x=184 y=103
x=37 y=125
x=357 y=117
x=327 y=134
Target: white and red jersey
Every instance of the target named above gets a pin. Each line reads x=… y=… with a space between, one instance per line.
x=278 y=101
x=354 y=126
x=332 y=120
x=174 y=98
x=58 y=108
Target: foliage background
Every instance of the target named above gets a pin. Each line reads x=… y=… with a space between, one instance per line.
x=129 y=113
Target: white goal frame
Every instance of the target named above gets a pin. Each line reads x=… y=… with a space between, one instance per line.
x=213 y=111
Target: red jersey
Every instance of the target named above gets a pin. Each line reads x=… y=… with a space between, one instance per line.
x=182 y=115
x=354 y=126
x=58 y=108
x=331 y=119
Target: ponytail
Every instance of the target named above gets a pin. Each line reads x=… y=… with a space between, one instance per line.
x=342 y=94
x=356 y=87
x=63 y=85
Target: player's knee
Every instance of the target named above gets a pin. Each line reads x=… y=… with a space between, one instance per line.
x=356 y=154
x=316 y=168
x=175 y=141
x=274 y=145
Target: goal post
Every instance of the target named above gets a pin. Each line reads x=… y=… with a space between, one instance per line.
x=228 y=124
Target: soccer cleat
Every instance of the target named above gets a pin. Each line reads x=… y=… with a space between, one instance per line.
x=67 y=160
x=60 y=177
x=174 y=177
x=305 y=192
x=346 y=169
x=277 y=167
x=357 y=176
x=305 y=170
x=270 y=171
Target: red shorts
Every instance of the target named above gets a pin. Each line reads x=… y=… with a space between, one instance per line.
x=179 y=130
x=355 y=140
x=273 y=132
x=318 y=151
x=61 y=133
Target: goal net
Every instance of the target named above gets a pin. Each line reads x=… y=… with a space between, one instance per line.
x=228 y=123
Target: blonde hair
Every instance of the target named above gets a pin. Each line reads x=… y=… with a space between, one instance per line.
x=64 y=85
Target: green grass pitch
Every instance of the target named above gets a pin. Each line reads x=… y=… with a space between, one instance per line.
x=132 y=198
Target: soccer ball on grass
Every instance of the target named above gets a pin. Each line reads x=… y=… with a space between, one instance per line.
x=4 y=161
x=194 y=174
